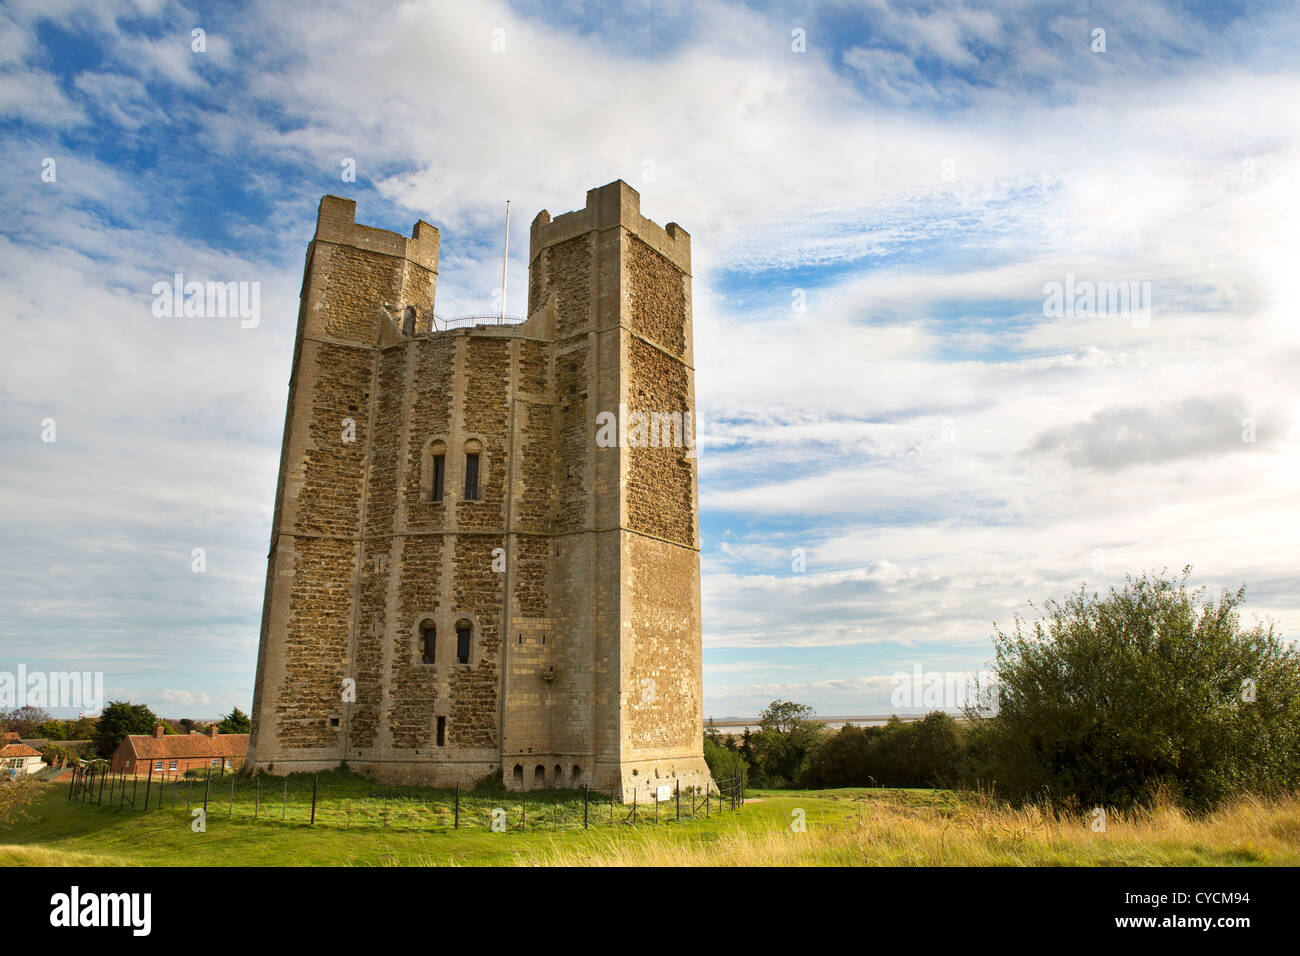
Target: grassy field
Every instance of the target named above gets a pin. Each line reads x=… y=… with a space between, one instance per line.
x=843 y=827
x=345 y=799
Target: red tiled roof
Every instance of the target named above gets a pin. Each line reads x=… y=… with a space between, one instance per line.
x=148 y=747
x=22 y=750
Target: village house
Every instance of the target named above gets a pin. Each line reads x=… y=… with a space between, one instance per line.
x=20 y=758
x=175 y=753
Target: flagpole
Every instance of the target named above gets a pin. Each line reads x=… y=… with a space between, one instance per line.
x=505 y=259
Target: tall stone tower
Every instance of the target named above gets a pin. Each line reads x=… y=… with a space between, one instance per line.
x=485 y=551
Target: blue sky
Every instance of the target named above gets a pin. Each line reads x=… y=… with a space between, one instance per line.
x=940 y=449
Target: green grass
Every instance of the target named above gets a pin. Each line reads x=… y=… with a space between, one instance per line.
x=844 y=827
x=357 y=823
x=346 y=799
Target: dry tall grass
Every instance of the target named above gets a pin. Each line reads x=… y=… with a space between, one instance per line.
x=957 y=831
x=13 y=854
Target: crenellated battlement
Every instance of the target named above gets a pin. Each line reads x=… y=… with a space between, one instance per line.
x=613 y=205
x=336 y=222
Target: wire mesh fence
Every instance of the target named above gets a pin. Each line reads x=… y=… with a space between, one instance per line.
x=344 y=800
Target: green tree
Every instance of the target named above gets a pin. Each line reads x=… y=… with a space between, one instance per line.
x=25 y=720
x=724 y=763
x=52 y=730
x=785 y=716
x=939 y=751
x=931 y=752
x=83 y=728
x=119 y=719
x=778 y=749
x=841 y=759
x=235 y=722
x=1105 y=698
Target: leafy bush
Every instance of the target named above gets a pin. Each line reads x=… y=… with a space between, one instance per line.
x=17 y=795
x=52 y=730
x=1106 y=699
x=724 y=762
x=932 y=752
x=841 y=759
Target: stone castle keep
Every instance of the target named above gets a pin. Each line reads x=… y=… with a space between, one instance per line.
x=464 y=581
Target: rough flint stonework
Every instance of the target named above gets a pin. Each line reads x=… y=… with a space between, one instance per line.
x=576 y=569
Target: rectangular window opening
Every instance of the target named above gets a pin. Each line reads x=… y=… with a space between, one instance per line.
x=429 y=640
x=471 y=477
x=439 y=475
x=442 y=731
